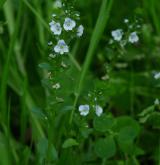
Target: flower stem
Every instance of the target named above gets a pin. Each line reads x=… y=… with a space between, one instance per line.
x=95 y=38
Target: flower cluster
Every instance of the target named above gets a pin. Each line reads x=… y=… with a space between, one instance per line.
x=129 y=36
x=118 y=35
x=85 y=109
x=63 y=29
x=64 y=26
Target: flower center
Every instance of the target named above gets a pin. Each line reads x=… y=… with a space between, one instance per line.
x=68 y=23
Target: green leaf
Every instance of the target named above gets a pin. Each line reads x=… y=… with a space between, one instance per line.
x=147 y=111
x=103 y=123
x=126 y=146
x=26 y=153
x=85 y=132
x=42 y=149
x=4 y=151
x=137 y=151
x=2 y=3
x=105 y=148
x=154 y=120
x=69 y=143
x=127 y=133
x=126 y=137
x=38 y=113
x=46 y=66
x=128 y=129
x=144 y=118
x=145 y=114
x=125 y=121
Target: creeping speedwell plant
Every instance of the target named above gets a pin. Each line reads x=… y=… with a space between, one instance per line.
x=98 y=102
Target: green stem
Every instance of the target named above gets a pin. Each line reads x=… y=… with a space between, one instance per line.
x=2 y=3
x=150 y=6
x=5 y=73
x=97 y=33
x=159 y=152
x=76 y=64
x=154 y=16
x=132 y=91
x=36 y=14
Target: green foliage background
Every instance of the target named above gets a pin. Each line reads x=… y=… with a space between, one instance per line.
x=36 y=126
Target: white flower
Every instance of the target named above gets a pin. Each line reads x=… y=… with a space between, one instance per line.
x=77 y=14
x=80 y=31
x=84 y=110
x=117 y=34
x=52 y=23
x=61 y=47
x=69 y=24
x=98 y=110
x=130 y=26
x=52 y=55
x=53 y=15
x=50 y=43
x=133 y=37
x=157 y=75
x=55 y=28
x=126 y=20
x=156 y=102
x=58 y=4
x=56 y=86
x=138 y=26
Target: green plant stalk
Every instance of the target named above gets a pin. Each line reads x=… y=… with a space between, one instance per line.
x=13 y=30
x=30 y=104
x=158 y=155
x=2 y=3
x=76 y=64
x=5 y=73
x=23 y=118
x=150 y=6
x=9 y=14
x=132 y=91
x=97 y=33
x=36 y=14
x=8 y=138
x=39 y=27
x=154 y=16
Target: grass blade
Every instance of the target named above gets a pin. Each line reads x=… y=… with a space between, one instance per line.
x=97 y=33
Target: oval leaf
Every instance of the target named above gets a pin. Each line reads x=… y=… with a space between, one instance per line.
x=103 y=123
x=46 y=66
x=127 y=134
x=105 y=148
x=69 y=143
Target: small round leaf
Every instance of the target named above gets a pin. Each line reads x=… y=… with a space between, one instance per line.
x=105 y=148
x=103 y=123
